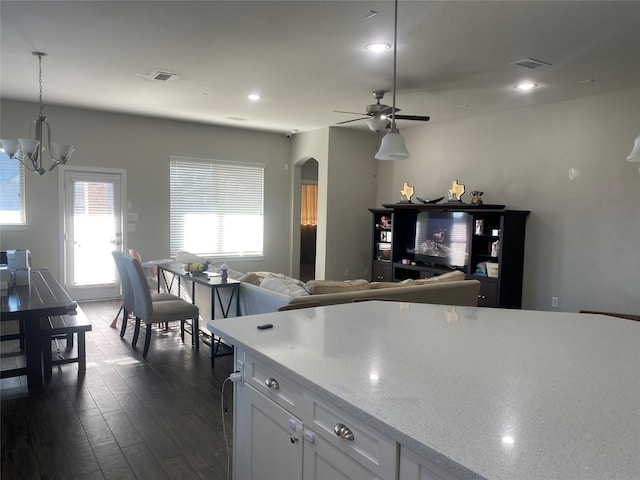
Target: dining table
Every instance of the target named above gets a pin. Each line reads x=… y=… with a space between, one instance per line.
x=42 y=297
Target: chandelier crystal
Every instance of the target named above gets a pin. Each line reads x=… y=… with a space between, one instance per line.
x=30 y=151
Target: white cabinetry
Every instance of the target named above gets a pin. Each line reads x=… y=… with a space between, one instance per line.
x=283 y=432
x=414 y=467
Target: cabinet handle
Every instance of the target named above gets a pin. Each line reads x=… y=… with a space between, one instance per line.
x=344 y=432
x=272 y=383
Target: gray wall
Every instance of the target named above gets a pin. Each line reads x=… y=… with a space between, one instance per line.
x=143 y=146
x=583 y=235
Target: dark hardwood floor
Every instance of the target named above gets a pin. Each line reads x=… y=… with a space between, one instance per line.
x=126 y=418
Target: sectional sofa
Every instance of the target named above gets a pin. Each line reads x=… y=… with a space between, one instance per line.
x=276 y=290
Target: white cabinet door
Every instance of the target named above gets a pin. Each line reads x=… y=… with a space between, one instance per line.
x=413 y=467
x=269 y=439
x=323 y=461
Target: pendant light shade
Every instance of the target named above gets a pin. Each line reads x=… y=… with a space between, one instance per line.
x=392 y=147
x=634 y=156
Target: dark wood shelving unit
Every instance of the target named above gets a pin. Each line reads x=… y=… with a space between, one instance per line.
x=381 y=270
x=506 y=227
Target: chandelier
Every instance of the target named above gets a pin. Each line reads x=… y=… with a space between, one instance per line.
x=30 y=151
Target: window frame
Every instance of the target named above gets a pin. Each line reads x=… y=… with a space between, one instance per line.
x=226 y=200
x=21 y=193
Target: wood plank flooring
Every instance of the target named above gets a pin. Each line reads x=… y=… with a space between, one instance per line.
x=126 y=418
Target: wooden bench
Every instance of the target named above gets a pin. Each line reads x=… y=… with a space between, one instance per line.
x=64 y=326
x=15 y=336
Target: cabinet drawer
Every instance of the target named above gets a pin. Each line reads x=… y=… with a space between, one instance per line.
x=370 y=448
x=273 y=385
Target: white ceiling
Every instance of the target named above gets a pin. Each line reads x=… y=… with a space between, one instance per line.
x=306 y=58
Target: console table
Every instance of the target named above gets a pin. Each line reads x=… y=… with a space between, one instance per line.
x=211 y=281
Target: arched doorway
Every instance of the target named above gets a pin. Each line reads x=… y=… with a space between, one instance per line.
x=308 y=219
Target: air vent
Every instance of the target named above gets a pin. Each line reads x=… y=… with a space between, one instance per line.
x=530 y=63
x=162 y=76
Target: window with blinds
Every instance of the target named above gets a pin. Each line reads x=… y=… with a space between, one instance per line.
x=12 y=211
x=216 y=207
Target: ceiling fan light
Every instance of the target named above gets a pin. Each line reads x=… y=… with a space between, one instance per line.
x=392 y=147
x=634 y=156
x=377 y=123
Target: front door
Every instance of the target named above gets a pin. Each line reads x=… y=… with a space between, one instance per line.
x=93 y=228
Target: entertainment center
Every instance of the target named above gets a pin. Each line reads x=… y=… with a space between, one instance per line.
x=486 y=242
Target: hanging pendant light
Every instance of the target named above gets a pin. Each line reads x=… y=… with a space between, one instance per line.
x=634 y=156
x=392 y=146
x=30 y=151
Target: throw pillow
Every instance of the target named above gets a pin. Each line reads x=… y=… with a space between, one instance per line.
x=283 y=284
x=252 y=278
x=319 y=287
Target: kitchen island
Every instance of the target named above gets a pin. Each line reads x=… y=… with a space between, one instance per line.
x=430 y=391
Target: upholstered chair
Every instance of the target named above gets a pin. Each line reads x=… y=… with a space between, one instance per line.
x=128 y=298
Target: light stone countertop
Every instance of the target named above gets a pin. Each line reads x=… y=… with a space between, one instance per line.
x=486 y=393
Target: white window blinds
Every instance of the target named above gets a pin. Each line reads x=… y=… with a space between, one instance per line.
x=216 y=207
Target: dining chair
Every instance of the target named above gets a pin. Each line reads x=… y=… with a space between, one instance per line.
x=128 y=297
x=148 y=311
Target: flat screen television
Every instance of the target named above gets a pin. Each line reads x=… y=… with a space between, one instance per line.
x=442 y=238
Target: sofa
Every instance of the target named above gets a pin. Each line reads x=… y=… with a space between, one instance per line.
x=451 y=289
x=266 y=292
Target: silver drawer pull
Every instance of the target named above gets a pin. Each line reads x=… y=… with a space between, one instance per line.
x=272 y=383
x=344 y=432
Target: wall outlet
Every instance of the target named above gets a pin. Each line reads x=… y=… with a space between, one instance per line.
x=366 y=271
x=347 y=272
x=554 y=302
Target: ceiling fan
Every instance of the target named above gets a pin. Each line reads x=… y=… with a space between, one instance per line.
x=379 y=115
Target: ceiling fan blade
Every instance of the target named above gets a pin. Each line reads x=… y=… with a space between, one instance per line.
x=352 y=120
x=350 y=113
x=420 y=118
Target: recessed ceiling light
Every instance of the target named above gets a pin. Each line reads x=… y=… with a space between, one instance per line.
x=377 y=47
x=254 y=97
x=526 y=86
